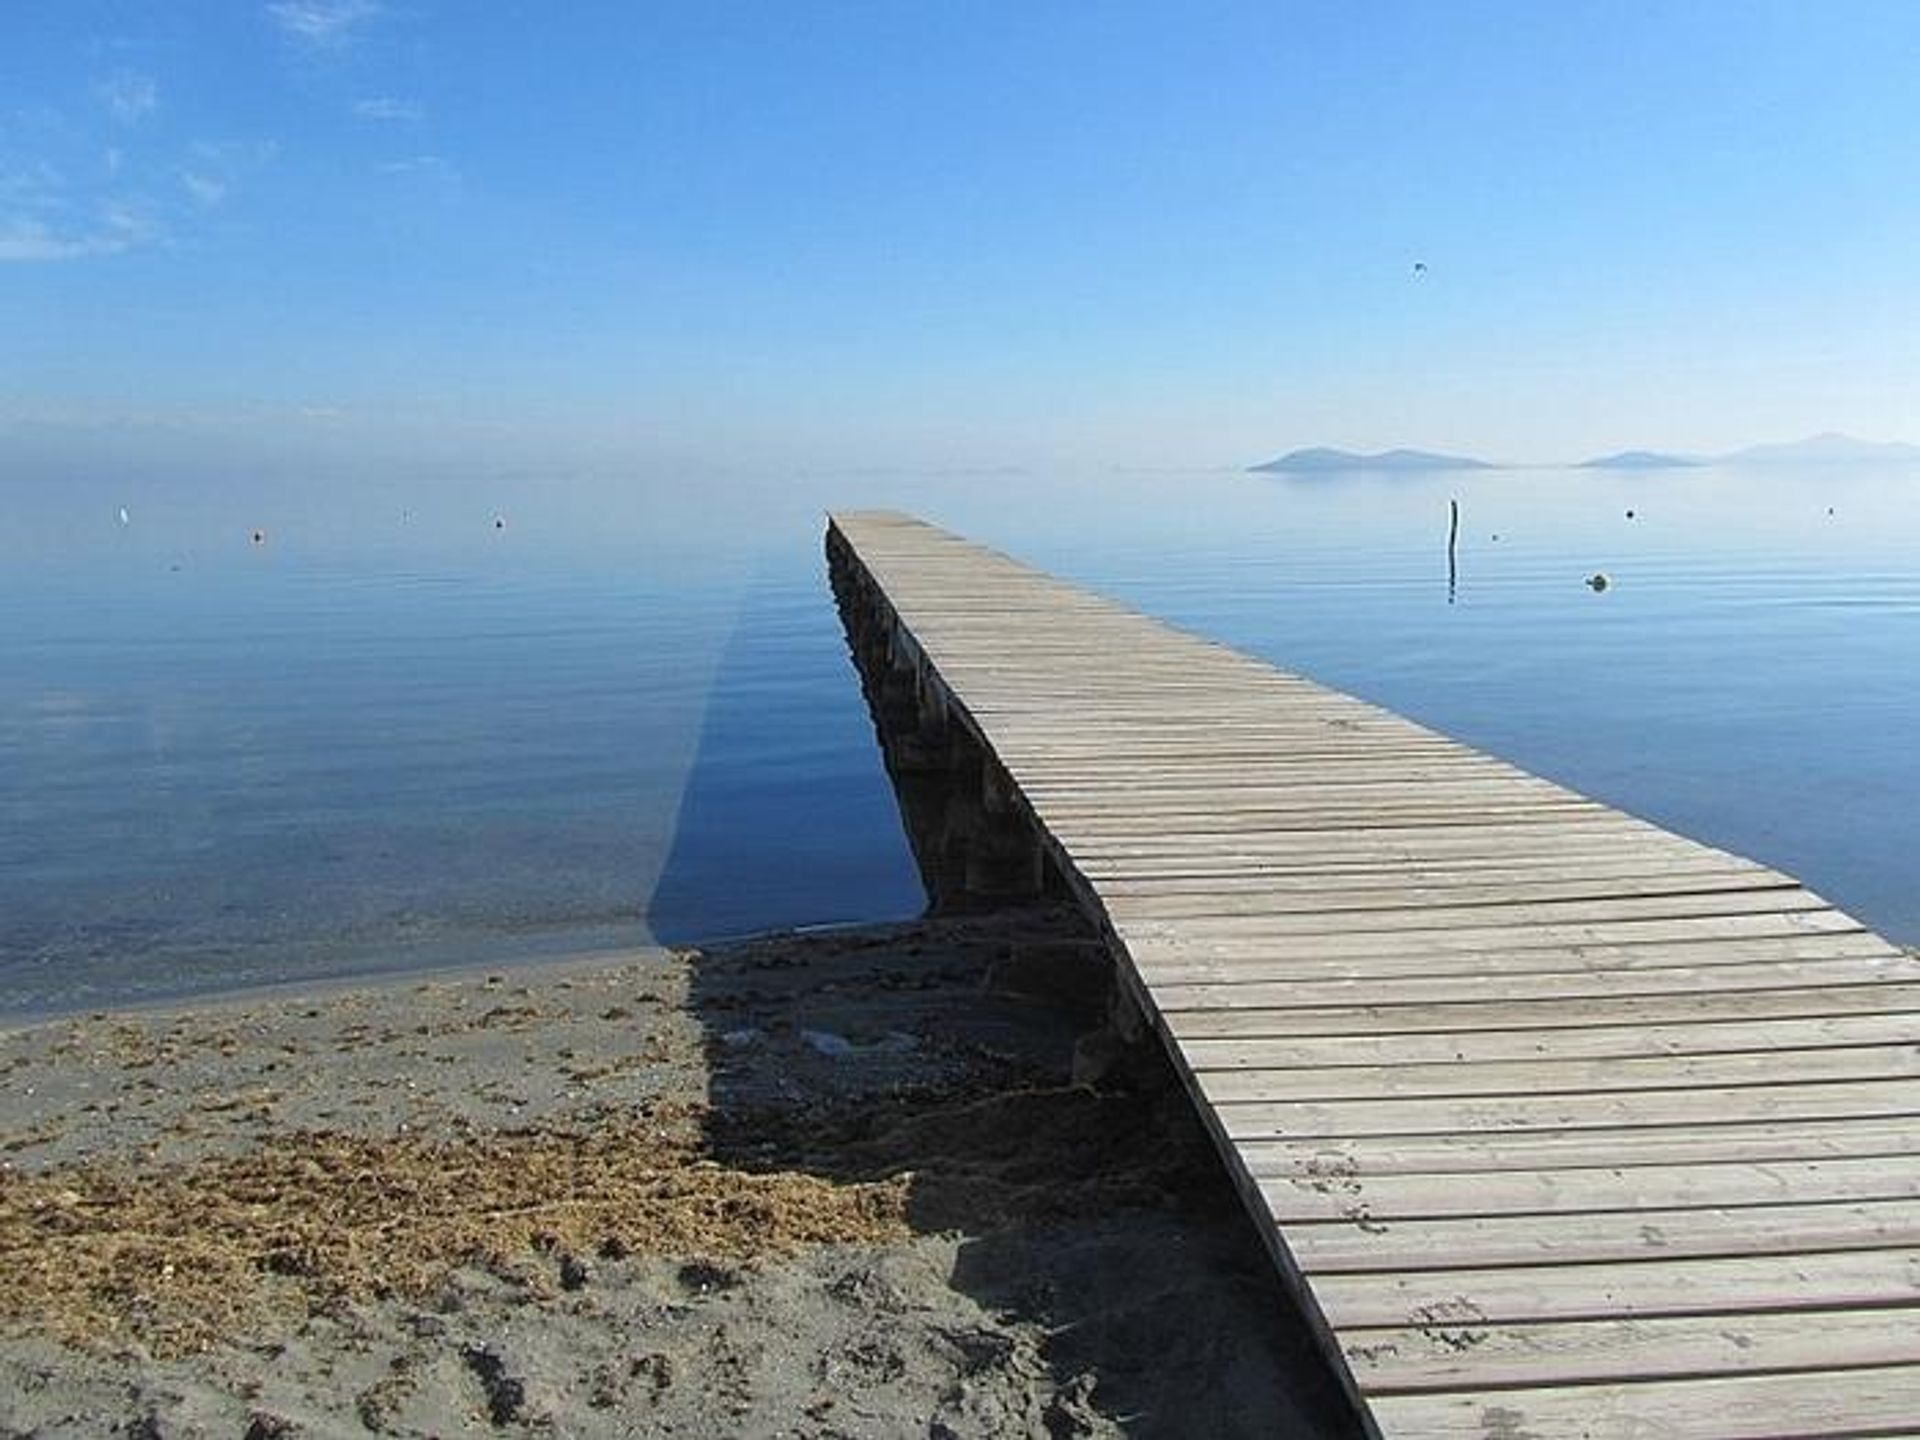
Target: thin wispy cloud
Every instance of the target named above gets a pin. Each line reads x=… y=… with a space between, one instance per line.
x=425 y=177
x=102 y=200
x=214 y=168
x=323 y=24
x=413 y=165
x=209 y=190
x=28 y=240
x=31 y=183
x=129 y=98
x=48 y=213
x=383 y=107
x=31 y=241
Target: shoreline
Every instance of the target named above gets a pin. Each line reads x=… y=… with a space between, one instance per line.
x=829 y=1183
x=325 y=986
x=451 y=956
x=548 y=947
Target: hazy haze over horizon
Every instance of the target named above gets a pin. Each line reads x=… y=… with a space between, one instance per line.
x=347 y=232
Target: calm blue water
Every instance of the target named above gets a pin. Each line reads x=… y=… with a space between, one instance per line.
x=396 y=734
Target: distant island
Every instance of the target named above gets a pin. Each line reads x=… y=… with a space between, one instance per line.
x=1320 y=460
x=1640 y=460
x=1831 y=448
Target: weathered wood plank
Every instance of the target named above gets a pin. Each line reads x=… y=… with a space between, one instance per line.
x=1322 y=893
x=1469 y=1153
x=1358 y=875
x=1698 y=1233
x=1877 y=1402
x=1560 y=987
x=1658 y=917
x=1496 y=959
x=1624 y=1042
x=1559 y=1074
x=1664 y=1286
x=1489 y=1115
x=1396 y=1360
x=1343 y=1194
x=1501 y=1014
x=1256 y=994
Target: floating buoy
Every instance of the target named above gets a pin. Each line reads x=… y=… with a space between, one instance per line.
x=126 y=519
x=1598 y=581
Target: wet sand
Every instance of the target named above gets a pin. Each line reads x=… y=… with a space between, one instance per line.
x=815 y=1185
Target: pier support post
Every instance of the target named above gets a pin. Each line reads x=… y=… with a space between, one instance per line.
x=975 y=845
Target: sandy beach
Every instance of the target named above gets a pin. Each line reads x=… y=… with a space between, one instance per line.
x=839 y=1184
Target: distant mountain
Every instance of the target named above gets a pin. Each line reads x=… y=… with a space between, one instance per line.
x=1828 y=449
x=1640 y=460
x=1321 y=461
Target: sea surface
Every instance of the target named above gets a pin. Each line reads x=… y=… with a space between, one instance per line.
x=264 y=733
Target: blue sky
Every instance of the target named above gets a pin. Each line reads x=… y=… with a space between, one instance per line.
x=825 y=235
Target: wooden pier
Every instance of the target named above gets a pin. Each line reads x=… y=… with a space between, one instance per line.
x=1556 y=1123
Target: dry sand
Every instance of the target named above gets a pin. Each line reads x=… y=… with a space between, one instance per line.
x=828 y=1185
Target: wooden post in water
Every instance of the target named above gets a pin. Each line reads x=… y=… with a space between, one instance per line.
x=1453 y=544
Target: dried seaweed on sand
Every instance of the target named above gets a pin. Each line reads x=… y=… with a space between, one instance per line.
x=175 y=1257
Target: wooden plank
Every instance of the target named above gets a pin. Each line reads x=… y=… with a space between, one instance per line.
x=1518 y=958
x=1664 y=1286
x=1499 y=1013
x=1489 y=1115
x=1876 y=1402
x=1398 y=1360
x=1339 y=1194
x=1516 y=834
x=1227 y=959
x=1320 y=894
x=1696 y=1233
x=1349 y=874
x=1598 y=985
x=1564 y=842
x=1557 y=1075
x=1734 y=913
x=1362 y=849
x=1255 y=817
x=1629 y=876
x=1452 y=858
x=1247 y=788
x=1467 y=1154
x=1375 y=954
x=1271 y=747
x=1363 y=773
x=1625 y=1042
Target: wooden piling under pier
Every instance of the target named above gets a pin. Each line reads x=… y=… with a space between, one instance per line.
x=1555 y=1123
